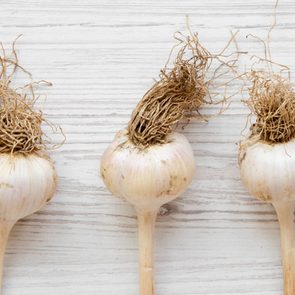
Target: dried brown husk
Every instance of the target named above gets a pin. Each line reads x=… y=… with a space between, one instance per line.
x=177 y=95
x=20 y=123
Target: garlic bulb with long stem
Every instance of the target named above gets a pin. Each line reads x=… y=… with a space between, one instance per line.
x=27 y=183
x=149 y=164
x=147 y=180
x=268 y=171
x=27 y=175
x=267 y=157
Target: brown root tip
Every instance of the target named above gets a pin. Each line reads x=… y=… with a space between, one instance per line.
x=272 y=100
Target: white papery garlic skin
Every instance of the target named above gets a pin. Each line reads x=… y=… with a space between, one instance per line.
x=151 y=177
x=268 y=171
x=27 y=183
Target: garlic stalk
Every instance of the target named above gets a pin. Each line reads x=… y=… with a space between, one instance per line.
x=149 y=164
x=267 y=157
x=27 y=175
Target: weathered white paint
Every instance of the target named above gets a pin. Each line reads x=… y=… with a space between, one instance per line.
x=101 y=56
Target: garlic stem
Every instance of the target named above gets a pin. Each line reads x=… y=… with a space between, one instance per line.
x=146 y=227
x=285 y=212
x=5 y=229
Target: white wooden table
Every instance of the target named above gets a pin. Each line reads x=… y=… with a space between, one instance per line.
x=101 y=57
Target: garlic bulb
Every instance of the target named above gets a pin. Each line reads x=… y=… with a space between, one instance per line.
x=268 y=171
x=150 y=178
x=27 y=183
x=27 y=178
x=147 y=179
x=149 y=164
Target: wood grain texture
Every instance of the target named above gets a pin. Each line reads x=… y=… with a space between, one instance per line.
x=101 y=57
